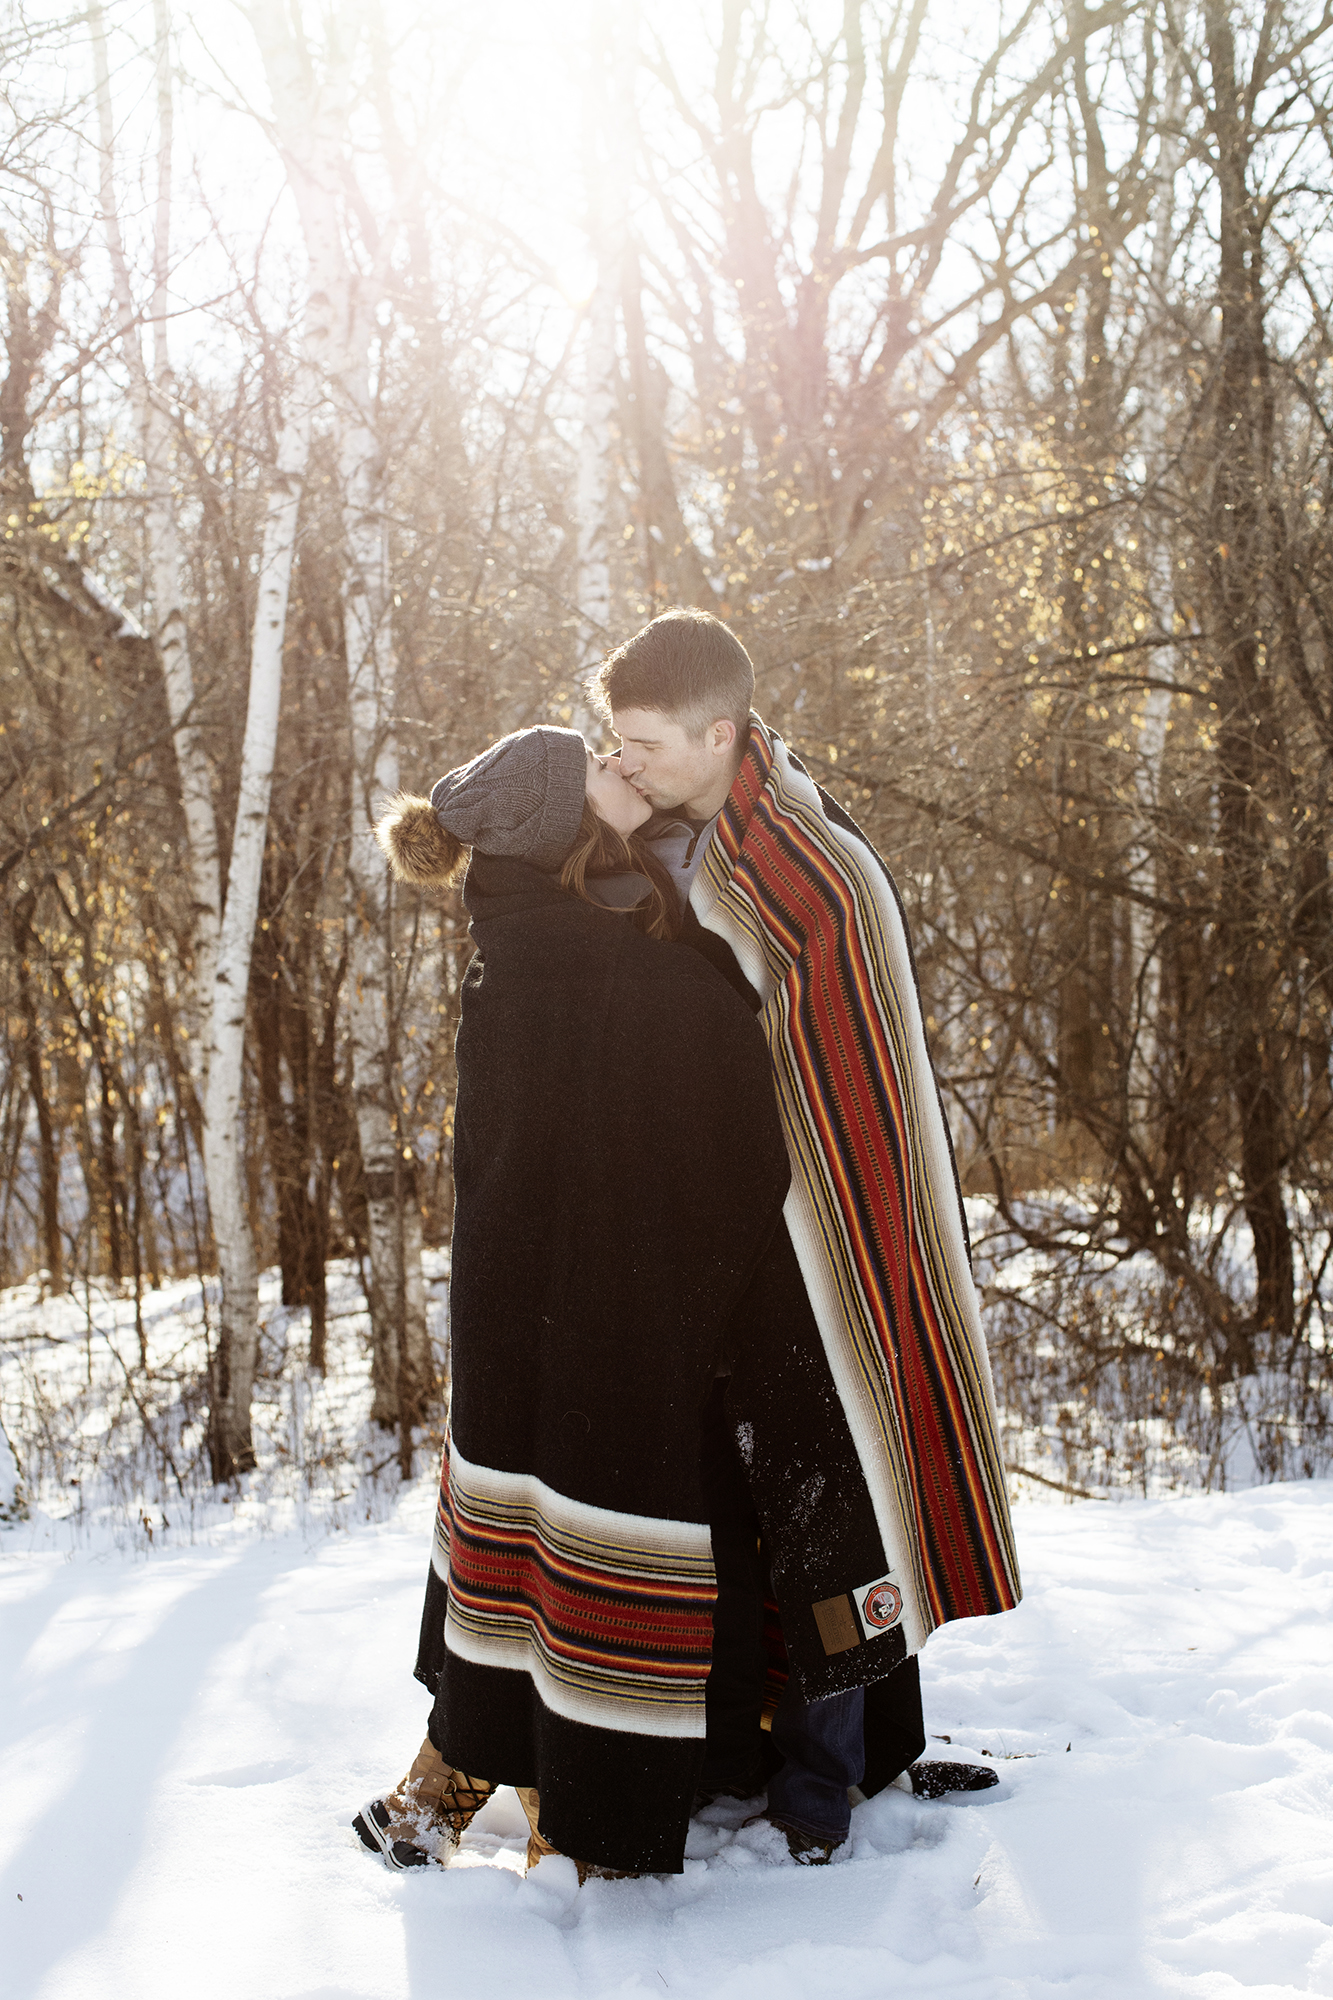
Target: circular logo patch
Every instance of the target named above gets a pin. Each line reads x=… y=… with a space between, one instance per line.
x=882 y=1605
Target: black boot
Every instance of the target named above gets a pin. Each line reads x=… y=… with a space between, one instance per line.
x=932 y=1778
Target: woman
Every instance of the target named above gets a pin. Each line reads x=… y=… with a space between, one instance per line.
x=605 y=1079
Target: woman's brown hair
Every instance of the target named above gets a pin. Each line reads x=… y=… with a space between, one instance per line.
x=599 y=850
x=423 y=853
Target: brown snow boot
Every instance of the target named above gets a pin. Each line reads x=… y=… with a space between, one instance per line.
x=425 y=1815
x=539 y=1846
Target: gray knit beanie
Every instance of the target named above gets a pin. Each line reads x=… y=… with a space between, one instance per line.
x=522 y=798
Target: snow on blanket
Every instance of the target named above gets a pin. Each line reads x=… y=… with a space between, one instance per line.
x=186 y=1736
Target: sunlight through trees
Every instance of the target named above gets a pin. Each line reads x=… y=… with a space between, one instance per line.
x=974 y=364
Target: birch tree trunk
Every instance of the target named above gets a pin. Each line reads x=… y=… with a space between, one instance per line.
x=1145 y=959
x=596 y=477
x=311 y=115
x=231 y=1444
x=608 y=159
x=150 y=398
x=401 y=1364
x=223 y=936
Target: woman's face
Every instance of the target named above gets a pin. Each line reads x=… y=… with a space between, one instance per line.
x=612 y=799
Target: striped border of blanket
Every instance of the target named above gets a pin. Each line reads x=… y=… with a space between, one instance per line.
x=610 y=1614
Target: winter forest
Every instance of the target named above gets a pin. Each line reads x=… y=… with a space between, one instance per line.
x=369 y=372
x=371 y=369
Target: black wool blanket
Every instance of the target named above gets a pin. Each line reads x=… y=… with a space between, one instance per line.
x=619 y=1171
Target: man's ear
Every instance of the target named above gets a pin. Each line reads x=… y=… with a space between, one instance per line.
x=721 y=734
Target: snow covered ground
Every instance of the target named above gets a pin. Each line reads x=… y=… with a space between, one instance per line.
x=186 y=1731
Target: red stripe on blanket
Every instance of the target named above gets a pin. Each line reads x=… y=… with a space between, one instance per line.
x=849 y=1077
x=600 y=1616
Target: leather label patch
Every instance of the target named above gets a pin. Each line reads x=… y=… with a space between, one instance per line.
x=837 y=1623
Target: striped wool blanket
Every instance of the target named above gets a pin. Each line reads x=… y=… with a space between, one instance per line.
x=815 y=923
x=610 y=1614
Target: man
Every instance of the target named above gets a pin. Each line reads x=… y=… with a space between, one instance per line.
x=894 y=1430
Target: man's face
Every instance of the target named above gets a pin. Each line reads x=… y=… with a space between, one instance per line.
x=669 y=767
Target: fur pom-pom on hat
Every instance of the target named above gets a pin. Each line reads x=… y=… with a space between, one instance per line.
x=523 y=797
x=421 y=850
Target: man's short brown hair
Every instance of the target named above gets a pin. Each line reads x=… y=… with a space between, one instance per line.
x=687 y=665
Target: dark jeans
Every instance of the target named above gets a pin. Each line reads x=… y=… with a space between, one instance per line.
x=822 y=1744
